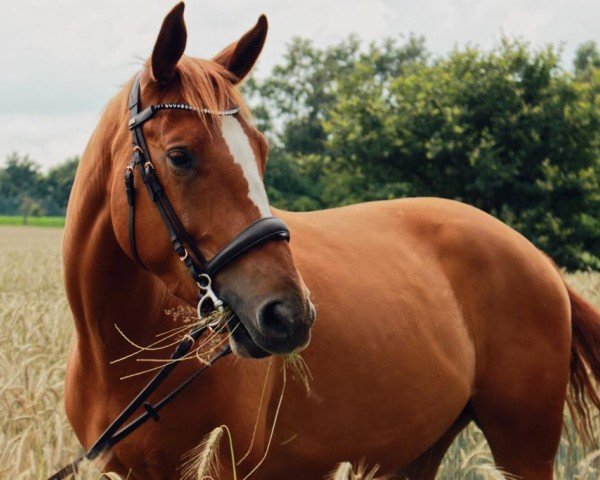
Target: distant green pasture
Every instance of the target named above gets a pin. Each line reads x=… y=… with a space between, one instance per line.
x=33 y=221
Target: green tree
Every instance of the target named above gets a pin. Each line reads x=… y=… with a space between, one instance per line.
x=587 y=59
x=506 y=130
x=59 y=181
x=25 y=190
x=20 y=176
x=293 y=104
x=20 y=181
x=300 y=91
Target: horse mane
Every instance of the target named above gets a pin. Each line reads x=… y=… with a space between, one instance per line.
x=207 y=84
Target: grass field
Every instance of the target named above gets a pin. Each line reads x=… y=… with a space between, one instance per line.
x=35 y=329
x=33 y=221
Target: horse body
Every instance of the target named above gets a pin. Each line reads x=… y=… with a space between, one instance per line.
x=431 y=313
x=453 y=313
x=408 y=327
x=433 y=338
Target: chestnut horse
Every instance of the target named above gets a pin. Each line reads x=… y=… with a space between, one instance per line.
x=431 y=313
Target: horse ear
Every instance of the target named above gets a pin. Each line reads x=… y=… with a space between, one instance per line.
x=169 y=45
x=240 y=56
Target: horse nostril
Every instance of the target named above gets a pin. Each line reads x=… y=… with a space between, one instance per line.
x=275 y=320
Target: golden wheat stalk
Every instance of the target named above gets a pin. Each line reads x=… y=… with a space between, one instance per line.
x=346 y=471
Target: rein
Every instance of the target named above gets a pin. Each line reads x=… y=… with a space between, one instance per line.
x=201 y=270
x=114 y=433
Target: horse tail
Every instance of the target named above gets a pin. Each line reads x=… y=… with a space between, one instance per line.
x=585 y=366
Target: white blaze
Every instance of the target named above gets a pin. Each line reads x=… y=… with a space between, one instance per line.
x=242 y=153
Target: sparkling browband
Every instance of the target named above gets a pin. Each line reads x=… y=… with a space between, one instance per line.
x=184 y=106
x=147 y=113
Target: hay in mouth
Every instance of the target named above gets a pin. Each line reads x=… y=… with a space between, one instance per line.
x=168 y=340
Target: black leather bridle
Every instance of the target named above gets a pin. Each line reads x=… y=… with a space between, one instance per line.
x=201 y=270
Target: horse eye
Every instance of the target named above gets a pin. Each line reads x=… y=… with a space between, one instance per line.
x=179 y=159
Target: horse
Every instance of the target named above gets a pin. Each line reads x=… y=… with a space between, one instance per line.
x=430 y=314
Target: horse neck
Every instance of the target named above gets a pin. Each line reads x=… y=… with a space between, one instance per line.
x=105 y=287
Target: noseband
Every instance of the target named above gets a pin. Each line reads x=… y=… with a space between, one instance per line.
x=201 y=270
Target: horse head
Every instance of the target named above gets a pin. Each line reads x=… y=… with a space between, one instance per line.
x=211 y=168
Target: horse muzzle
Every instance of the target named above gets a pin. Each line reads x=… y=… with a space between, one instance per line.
x=280 y=325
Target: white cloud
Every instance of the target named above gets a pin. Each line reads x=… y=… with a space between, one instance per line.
x=63 y=60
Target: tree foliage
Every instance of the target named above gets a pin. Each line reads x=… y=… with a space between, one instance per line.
x=587 y=59
x=57 y=183
x=507 y=130
x=25 y=190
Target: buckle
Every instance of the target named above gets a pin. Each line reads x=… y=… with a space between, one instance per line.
x=204 y=283
x=141 y=117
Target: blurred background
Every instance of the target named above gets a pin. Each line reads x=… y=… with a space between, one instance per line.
x=493 y=103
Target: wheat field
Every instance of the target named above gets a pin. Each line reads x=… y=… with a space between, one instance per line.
x=35 y=330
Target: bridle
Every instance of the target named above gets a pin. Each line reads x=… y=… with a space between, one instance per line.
x=201 y=270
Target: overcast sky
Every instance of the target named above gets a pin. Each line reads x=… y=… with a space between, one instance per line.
x=63 y=59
